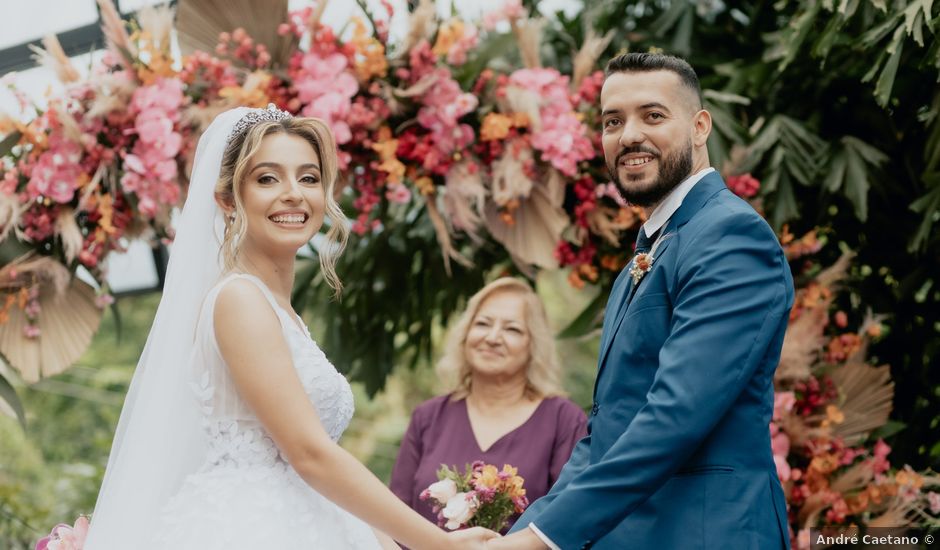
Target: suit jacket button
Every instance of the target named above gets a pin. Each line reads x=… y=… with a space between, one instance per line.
x=594 y=409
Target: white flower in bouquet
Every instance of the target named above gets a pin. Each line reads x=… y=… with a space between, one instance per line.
x=459 y=510
x=443 y=490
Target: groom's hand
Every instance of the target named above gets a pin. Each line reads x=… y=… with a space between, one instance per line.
x=524 y=539
x=474 y=538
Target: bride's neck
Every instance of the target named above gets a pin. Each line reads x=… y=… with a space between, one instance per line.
x=276 y=273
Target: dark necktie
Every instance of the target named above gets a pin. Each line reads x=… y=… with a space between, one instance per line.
x=644 y=243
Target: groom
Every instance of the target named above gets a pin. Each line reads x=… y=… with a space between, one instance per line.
x=678 y=452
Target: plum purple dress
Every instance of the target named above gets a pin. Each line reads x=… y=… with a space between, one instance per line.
x=440 y=433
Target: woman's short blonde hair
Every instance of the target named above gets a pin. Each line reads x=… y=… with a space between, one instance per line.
x=235 y=164
x=543 y=372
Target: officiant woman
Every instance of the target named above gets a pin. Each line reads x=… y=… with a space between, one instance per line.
x=505 y=404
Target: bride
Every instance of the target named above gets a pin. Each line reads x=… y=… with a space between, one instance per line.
x=227 y=439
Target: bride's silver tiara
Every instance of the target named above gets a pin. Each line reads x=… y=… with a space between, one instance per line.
x=271 y=114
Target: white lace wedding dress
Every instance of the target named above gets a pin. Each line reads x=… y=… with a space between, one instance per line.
x=246 y=495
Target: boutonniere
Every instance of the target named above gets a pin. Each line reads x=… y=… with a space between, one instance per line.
x=642 y=263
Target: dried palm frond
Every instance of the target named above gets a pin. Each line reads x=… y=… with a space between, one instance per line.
x=316 y=15
x=801 y=344
x=53 y=57
x=520 y=100
x=834 y=274
x=199 y=23
x=68 y=321
x=609 y=222
x=867 y=394
x=464 y=199
x=443 y=237
x=10 y=212
x=815 y=503
x=870 y=324
x=897 y=514
x=586 y=58
x=114 y=91
x=420 y=25
x=158 y=23
x=69 y=126
x=855 y=478
x=69 y=232
x=115 y=32
x=802 y=430
x=419 y=87
x=537 y=225
x=510 y=181
x=529 y=37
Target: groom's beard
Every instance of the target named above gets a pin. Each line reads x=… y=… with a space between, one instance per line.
x=673 y=169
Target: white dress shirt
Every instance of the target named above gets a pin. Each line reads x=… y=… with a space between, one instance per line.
x=654 y=223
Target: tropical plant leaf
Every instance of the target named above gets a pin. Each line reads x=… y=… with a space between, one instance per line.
x=669 y=18
x=928 y=205
x=10 y=403
x=886 y=80
x=796 y=34
x=9 y=143
x=914 y=17
x=850 y=171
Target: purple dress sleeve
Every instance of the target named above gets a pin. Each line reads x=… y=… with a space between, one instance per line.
x=406 y=464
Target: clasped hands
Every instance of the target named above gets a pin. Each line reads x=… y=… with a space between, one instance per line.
x=478 y=538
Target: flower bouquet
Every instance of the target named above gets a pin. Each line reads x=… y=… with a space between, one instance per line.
x=482 y=496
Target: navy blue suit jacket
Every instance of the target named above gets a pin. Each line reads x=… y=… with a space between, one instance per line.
x=678 y=448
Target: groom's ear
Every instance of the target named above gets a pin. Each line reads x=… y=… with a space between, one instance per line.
x=701 y=127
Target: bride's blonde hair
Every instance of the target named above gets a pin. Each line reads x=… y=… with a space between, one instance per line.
x=237 y=160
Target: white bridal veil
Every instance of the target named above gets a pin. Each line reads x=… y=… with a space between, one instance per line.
x=159 y=439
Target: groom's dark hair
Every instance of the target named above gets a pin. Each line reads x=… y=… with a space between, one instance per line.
x=647 y=62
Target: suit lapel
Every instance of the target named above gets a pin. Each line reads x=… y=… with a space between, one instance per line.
x=693 y=202
x=622 y=286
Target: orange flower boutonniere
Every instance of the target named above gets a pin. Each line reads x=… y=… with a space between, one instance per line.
x=642 y=263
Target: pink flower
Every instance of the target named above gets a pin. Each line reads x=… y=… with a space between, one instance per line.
x=398 y=193
x=837 y=513
x=326 y=87
x=880 y=462
x=31 y=331
x=744 y=185
x=441 y=491
x=510 y=10
x=459 y=509
x=783 y=468
x=783 y=403
x=32 y=308
x=9 y=182
x=104 y=300
x=780 y=444
x=562 y=138
x=56 y=172
x=934 y=500
x=610 y=190
x=64 y=537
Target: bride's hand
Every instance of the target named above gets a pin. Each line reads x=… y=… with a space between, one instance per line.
x=473 y=538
